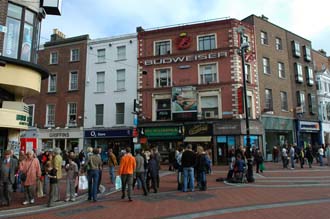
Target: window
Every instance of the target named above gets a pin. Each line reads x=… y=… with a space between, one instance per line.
x=248 y=76
x=72 y=114
x=74 y=55
x=284 y=101
x=281 y=69
x=307 y=53
x=162 y=48
x=278 y=43
x=264 y=38
x=325 y=87
x=301 y=100
x=120 y=113
x=268 y=100
x=309 y=76
x=53 y=58
x=206 y=42
x=121 y=52
x=163 y=77
x=209 y=107
x=319 y=85
x=298 y=73
x=328 y=111
x=100 y=81
x=22 y=36
x=121 y=79
x=31 y=115
x=208 y=73
x=99 y=112
x=163 y=111
x=295 y=48
x=52 y=80
x=101 y=55
x=50 y=115
x=266 y=65
x=249 y=106
x=73 y=80
x=312 y=104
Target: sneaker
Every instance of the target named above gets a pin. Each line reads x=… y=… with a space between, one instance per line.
x=25 y=203
x=32 y=201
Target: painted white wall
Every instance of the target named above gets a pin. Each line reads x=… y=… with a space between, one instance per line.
x=111 y=96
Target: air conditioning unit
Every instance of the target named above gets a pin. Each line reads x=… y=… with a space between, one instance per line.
x=208 y=114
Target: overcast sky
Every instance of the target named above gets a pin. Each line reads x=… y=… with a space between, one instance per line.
x=105 y=18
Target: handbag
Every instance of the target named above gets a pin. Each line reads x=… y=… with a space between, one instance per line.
x=118 y=183
x=83 y=183
x=24 y=175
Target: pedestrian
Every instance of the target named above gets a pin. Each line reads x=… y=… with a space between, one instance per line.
x=309 y=155
x=8 y=169
x=292 y=155
x=327 y=154
x=157 y=157
x=321 y=154
x=139 y=172
x=179 y=167
x=100 y=171
x=30 y=167
x=152 y=173
x=301 y=156
x=188 y=163
x=112 y=162
x=275 y=154
x=57 y=164
x=201 y=168
x=51 y=173
x=259 y=161
x=94 y=164
x=285 y=158
x=71 y=175
x=126 y=170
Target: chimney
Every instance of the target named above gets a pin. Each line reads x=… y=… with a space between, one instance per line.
x=263 y=17
x=57 y=35
x=323 y=52
x=139 y=29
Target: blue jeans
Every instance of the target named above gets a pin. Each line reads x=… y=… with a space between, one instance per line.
x=93 y=180
x=292 y=162
x=202 y=180
x=112 y=175
x=188 y=176
x=321 y=160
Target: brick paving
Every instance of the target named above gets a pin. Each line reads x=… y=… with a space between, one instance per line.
x=277 y=193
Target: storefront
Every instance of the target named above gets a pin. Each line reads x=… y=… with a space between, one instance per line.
x=230 y=134
x=325 y=133
x=308 y=133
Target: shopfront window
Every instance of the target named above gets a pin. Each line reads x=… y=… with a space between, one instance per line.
x=254 y=141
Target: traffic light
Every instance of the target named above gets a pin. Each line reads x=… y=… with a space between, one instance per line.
x=136 y=106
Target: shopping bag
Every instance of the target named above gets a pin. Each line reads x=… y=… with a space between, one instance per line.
x=83 y=183
x=262 y=166
x=118 y=182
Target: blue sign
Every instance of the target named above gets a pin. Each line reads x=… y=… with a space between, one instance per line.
x=108 y=133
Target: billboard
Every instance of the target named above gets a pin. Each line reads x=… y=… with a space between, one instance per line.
x=184 y=102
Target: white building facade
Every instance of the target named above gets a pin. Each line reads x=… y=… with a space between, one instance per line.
x=111 y=87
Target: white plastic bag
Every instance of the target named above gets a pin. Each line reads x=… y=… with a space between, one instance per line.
x=118 y=182
x=83 y=182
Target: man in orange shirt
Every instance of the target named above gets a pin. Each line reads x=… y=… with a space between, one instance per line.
x=126 y=170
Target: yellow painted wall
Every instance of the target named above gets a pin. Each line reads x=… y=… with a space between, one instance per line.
x=8 y=119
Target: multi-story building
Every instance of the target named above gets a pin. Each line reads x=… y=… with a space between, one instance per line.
x=287 y=90
x=111 y=88
x=58 y=112
x=190 y=87
x=20 y=23
x=322 y=80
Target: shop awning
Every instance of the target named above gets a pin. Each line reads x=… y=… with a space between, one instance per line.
x=198 y=139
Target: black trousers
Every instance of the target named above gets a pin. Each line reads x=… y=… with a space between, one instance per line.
x=140 y=176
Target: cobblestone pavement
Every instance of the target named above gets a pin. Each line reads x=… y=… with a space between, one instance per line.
x=277 y=193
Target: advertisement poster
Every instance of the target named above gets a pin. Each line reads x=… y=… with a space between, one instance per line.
x=184 y=99
x=27 y=42
x=11 y=38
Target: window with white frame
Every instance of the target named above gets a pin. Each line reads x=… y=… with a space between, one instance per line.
x=101 y=55
x=249 y=105
x=31 y=115
x=74 y=55
x=281 y=69
x=264 y=37
x=328 y=110
x=162 y=48
x=72 y=114
x=248 y=76
x=266 y=65
x=52 y=81
x=206 y=42
x=268 y=100
x=53 y=59
x=100 y=77
x=312 y=104
x=121 y=79
x=208 y=73
x=50 y=115
x=163 y=109
x=163 y=77
x=295 y=48
x=301 y=100
x=209 y=107
x=307 y=53
x=284 y=101
x=309 y=76
x=298 y=73
x=73 y=80
x=99 y=114
x=121 y=52
x=120 y=113
x=278 y=43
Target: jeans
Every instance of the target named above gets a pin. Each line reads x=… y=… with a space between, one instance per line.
x=188 y=176
x=321 y=160
x=46 y=184
x=292 y=162
x=112 y=174
x=140 y=178
x=93 y=181
x=202 y=180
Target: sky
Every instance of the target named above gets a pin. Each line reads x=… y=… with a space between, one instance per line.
x=107 y=18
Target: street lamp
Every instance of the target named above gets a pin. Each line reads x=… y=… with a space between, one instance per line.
x=244 y=46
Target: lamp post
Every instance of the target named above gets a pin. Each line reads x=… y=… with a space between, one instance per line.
x=244 y=46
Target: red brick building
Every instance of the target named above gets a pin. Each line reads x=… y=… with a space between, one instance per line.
x=190 y=87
